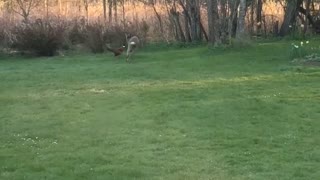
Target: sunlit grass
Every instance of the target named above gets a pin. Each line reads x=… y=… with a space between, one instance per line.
x=170 y=114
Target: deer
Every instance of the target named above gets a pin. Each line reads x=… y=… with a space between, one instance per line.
x=133 y=43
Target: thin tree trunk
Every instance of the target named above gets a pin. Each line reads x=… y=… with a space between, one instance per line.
x=86 y=8
x=123 y=14
x=187 y=20
x=60 y=7
x=104 y=10
x=115 y=6
x=110 y=11
x=306 y=23
x=203 y=31
x=252 y=17
x=195 y=19
x=46 y=5
x=213 y=22
x=175 y=16
x=234 y=18
x=241 y=33
x=223 y=20
x=210 y=21
x=160 y=20
x=259 y=16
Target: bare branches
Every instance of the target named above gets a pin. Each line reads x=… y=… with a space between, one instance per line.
x=24 y=7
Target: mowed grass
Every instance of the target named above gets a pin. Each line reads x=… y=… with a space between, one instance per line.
x=171 y=114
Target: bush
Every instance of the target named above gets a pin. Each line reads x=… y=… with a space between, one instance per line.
x=115 y=35
x=3 y=34
x=1 y=42
x=95 y=37
x=2 y=37
x=43 y=38
x=77 y=32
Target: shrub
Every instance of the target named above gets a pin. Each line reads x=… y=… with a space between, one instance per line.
x=95 y=37
x=115 y=35
x=77 y=32
x=3 y=34
x=98 y=35
x=43 y=38
x=2 y=37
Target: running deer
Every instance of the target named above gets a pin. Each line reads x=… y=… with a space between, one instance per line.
x=133 y=43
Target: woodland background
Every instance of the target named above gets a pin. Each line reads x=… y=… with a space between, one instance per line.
x=94 y=23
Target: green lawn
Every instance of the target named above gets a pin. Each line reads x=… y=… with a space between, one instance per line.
x=171 y=114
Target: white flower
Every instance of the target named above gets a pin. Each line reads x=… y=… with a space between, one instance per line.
x=296 y=46
x=307 y=42
x=290 y=26
x=302 y=26
x=301 y=43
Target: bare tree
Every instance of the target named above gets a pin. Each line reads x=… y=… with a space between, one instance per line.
x=24 y=7
x=187 y=20
x=175 y=16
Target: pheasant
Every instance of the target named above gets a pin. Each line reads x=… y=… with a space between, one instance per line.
x=116 y=52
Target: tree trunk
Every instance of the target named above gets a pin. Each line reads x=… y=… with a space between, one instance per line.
x=104 y=10
x=234 y=18
x=290 y=15
x=187 y=20
x=306 y=23
x=213 y=22
x=223 y=20
x=160 y=20
x=241 y=32
x=60 y=7
x=115 y=6
x=110 y=11
x=252 y=17
x=123 y=14
x=195 y=19
x=86 y=8
x=259 y=16
x=204 y=31
x=176 y=19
